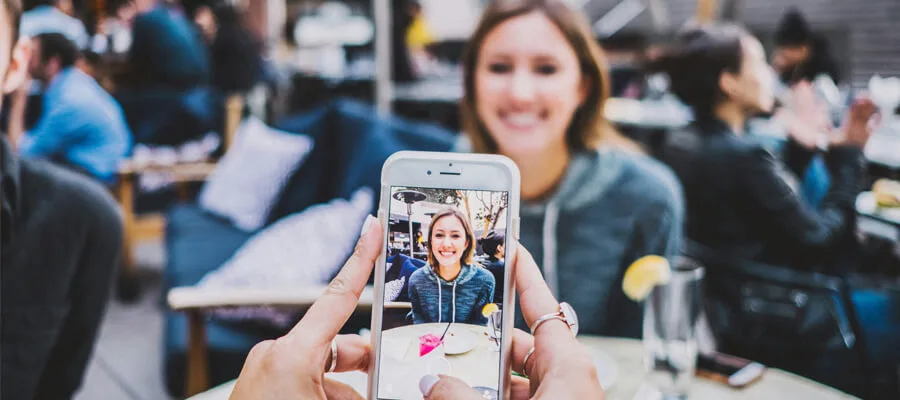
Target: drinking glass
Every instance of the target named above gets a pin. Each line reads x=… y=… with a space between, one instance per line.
x=671 y=314
x=495 y=327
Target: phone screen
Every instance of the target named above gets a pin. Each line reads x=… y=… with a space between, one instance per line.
x=443 y=289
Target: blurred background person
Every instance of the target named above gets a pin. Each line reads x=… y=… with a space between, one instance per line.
x=81 y=125
x=167 y=51
x=535 y=84
x=742 y=200
x=236 y=61
x=494 y=246
x=801 y=56
x=54 y=16
x=60 y=241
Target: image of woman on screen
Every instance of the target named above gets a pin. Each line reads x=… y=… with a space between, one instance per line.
x=450 y=288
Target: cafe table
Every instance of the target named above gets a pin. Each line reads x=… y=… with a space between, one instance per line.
x=620 y=370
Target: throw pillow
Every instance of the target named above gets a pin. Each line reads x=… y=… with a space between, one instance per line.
x=301 y=250
x=250 y=176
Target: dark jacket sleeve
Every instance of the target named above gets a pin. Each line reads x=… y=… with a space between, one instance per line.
x=778 y=208
x=89 y=293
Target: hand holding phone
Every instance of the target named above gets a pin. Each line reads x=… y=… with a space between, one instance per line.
x=444 y=302
x=295 y=364
x=554 y=349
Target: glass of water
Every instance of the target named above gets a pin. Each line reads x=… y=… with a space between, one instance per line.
x=671 y=315
x=495 y=327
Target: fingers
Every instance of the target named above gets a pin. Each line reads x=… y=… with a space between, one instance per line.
x=522 y=343
x=335 y=390
x=353 y=353
x=535 y=297
x=329 y=313
x=520 y=388
x=446 y=388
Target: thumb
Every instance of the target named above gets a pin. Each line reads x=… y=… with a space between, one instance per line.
x=446 y=388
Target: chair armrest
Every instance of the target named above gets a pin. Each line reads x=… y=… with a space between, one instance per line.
x=199 y=298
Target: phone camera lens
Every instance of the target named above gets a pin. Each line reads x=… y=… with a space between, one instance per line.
x=451 y=164
x=429 y=172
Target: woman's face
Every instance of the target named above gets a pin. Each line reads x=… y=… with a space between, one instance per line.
x=528 y=85
x=448 y=240
x=753 y=87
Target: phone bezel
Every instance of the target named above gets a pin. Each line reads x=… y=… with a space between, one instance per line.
x=456 y=171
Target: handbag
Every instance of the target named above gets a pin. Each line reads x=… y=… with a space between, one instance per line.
x=796 y=320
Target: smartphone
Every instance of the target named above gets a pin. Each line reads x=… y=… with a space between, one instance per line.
x=730 y=370
x=444 y=296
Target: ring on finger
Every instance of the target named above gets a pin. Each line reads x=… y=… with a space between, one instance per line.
x=525 y=361
x=334 y=352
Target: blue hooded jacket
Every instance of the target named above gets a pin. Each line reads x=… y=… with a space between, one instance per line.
x=461 y=300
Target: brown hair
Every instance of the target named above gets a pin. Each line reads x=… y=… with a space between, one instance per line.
x=588 y=127
x=13 y=15
x=696 y=61
x=470 y=235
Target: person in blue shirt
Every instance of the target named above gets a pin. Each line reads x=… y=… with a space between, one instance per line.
x=81 y=125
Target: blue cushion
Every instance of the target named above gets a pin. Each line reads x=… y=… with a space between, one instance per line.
x=352 y=143
x=878 y=313
x=198 y=242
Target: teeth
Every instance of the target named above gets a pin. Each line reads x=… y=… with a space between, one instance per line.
x=522 y=119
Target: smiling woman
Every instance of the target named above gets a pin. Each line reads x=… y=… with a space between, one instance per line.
x=536 y=82
x=469 y=287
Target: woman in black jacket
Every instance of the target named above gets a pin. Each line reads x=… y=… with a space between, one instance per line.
x=743 y=200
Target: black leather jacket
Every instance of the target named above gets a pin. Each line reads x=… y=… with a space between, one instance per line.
x=744 y=201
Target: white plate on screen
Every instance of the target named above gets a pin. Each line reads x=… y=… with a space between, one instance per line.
x=458 y=341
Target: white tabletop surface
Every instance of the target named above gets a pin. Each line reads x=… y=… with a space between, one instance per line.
x=401 y=367
x=627 y=382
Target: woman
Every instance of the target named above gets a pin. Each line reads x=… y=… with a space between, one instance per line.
x=450 y=288
x=236 y=58
x=535 y=85
x=294 y=366
x=741 y=200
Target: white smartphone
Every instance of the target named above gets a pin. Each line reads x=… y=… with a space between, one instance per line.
x=444 y=299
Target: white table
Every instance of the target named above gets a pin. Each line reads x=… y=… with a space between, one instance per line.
x=628 y=367
x=401 y=366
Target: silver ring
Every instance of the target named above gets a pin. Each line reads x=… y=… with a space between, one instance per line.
x=333 y=355
x=525 y=361
x=545 y=319
x=565 y=314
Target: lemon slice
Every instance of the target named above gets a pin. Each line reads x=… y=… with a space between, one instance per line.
x=489 y=309
x=644 y=274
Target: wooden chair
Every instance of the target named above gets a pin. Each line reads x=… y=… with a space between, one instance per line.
x=137 y=228
x=196 y=301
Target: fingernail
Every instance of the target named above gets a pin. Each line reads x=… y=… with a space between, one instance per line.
x=367 y=224
x=427 y=382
